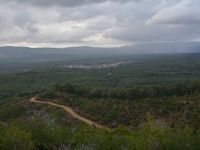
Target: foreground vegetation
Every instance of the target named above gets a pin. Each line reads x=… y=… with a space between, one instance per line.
x=45 y=134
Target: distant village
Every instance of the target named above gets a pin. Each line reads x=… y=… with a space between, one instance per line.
x=94 y=66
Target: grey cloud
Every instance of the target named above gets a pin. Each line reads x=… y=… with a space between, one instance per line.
x=101 y=23
x=183 y=12
x=67 y=3
x=140 y=32
x=106 y=23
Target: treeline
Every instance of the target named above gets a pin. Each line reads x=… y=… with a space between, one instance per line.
x=178 y=89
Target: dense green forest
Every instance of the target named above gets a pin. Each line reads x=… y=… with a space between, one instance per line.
x=150 y=103
x=129 y=106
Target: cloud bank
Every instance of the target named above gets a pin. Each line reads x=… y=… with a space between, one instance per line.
x=66 y=3
x=60 y=23
x=184 y=12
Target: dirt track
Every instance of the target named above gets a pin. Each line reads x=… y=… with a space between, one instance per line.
x=71 y=112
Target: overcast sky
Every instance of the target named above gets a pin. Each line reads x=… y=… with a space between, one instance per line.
x=61 y=23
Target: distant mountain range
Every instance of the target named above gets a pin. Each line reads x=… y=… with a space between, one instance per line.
x=25 y=53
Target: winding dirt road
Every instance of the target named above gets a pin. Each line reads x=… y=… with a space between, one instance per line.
x=71 y=112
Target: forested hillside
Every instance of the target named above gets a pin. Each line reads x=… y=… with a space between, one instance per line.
x=150 y=103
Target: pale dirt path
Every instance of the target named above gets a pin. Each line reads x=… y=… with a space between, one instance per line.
x=71 y=112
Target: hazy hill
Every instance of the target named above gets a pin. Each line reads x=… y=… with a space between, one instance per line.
x=43 y=54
